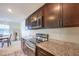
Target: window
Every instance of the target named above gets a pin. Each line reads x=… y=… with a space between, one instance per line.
x=4 y=29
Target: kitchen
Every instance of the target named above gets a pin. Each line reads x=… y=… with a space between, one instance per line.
x=39 y=29
x=52 y=30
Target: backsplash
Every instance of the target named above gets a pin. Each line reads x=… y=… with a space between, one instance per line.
x=64 y=34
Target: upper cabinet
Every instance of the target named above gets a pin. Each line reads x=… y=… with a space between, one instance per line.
x=52 y=15
x=40 y=18
x=36 y=19
x=33 y=20
x=48 y=16
x=70 y=15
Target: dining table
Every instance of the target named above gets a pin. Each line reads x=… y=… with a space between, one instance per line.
x=4 y=37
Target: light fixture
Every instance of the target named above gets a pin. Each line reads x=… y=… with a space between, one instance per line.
x=57 y=8
x=51 y=18
x=9 y=10
x=35 y=18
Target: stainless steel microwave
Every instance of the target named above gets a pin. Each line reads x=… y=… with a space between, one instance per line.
x=37 y=23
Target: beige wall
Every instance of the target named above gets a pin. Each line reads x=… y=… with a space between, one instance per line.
x=64 y=34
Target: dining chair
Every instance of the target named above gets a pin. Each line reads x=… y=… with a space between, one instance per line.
x=14 y=36
x=1 y=39
x=8 y=41
x=1 y=43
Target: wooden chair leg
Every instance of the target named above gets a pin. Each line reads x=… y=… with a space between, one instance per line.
x=2 y=44
x=8 y=43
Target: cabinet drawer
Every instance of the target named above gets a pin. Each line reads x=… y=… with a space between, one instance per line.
x=41 y=52
x=29 y=51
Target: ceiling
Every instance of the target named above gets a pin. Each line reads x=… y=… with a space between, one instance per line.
x=20 y=11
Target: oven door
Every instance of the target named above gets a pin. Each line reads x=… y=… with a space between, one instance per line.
x=30 y=45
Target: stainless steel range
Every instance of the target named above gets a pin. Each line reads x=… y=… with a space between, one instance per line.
x=32 y=41
x=38 y=39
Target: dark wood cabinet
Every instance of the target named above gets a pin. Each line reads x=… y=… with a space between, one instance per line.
x=48 y=16
x=41 y=52
x=70 y=14
x=27 y=23
x=32 y=20
x=55 y=15
x=40 y=17
x=52 y=15
x=36 y=19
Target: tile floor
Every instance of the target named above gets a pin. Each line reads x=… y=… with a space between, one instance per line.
x=13 y=50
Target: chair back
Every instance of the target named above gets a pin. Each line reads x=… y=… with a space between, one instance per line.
x=10 y=36
x=13 y=36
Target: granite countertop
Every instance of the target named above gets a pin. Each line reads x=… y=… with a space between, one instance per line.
x=60 y=48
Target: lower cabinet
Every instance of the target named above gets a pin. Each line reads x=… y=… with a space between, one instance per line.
x=27 y=51
x=41 y=52
x=38 y=51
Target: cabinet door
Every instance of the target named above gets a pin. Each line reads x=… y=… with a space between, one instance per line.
x=70 y=15
x=33 y=20
x=52 y=15
x=27 y=23
x=40 y=17
x=41 y=52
